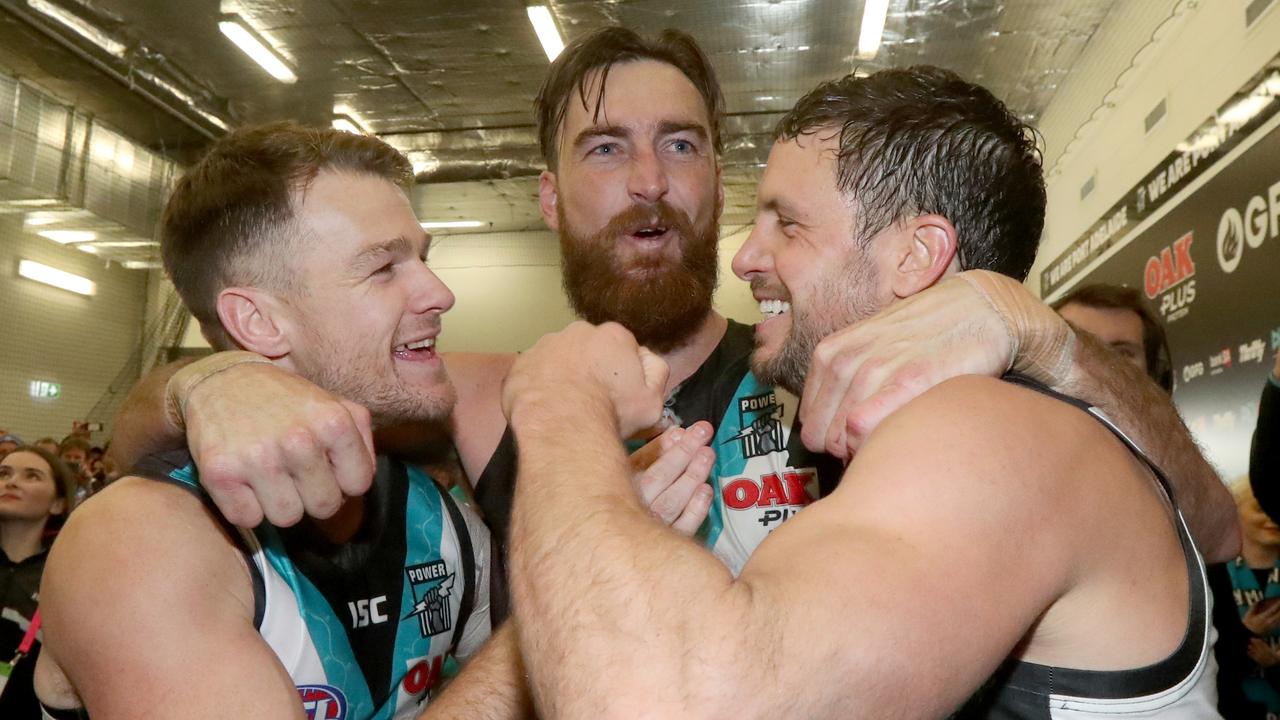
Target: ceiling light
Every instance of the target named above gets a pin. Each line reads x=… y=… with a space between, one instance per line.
x=545 y=26
x=874 y=13
x=55 y=277
x=1244 y=110
x=123 y=244
x=69 y=236
x=185 y=97
x=446 y=224
x=40 y=220
x=77 y=25
x=141 y=264
x=346 y=124
x=256 y=47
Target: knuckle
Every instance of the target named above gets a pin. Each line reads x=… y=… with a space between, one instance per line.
x=331 y=424
x=299 y=441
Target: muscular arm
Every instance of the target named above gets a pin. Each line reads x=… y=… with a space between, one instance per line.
x=1148 y=416
x=622 y=618
x=148 y=612
x=142 y=426
x=985 y=324
x=491 y=685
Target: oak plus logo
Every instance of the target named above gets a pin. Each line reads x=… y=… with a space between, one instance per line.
x=1170 y=276
x=1259 y=221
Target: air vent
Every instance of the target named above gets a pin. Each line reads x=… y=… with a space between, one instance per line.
x=1087 y=187
x=1155 y=116
x=1255 y=10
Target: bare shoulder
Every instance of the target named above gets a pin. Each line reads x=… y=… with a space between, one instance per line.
x=478 y=422
x=137 y=541
x=478 y=369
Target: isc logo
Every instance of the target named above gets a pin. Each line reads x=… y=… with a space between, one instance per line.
x=323 y=702
x=367 y=612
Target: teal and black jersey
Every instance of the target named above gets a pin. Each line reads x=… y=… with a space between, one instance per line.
x=365 y=628
x=762 y=476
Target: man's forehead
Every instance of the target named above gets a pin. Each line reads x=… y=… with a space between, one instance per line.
x=626 y=96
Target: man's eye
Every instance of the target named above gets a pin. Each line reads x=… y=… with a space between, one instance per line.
x=385 y=269
x=682 y=146
x=606 y=149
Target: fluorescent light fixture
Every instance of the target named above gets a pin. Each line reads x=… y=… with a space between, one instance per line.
x=1244 y=110
x=141 y=264
x=83 y=247
x=69 y=236
x=76 y=24
x=446 y=224
x=124 y=244
x=186 y=98
x=545 y=26
x=256 y=47
x=874 y=13
x=40 y=220
x=346 y=124
x=55 y=277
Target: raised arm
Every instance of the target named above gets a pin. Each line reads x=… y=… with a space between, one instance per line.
x=987 y=324
x=142 y=426
x=148 y=612
x=849 y=612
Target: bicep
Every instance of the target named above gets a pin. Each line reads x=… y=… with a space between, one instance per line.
x=147 y=614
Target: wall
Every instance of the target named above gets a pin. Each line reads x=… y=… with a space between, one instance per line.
x=1193 y=54
x=51 y=334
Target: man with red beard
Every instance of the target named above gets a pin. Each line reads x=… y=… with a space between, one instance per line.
x=630 y=129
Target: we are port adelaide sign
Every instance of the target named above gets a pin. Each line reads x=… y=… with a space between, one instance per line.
x=1202 y=244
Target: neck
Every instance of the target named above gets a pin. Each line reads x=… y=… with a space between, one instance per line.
x=1257 y=555
x=20 y=539
x=689 y=356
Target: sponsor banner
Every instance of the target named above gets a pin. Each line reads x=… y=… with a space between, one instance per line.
x=1210 y=268
x=1173 y=174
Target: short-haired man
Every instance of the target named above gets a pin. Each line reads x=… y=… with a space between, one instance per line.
x=630 y=129
x=1118 y=317
x=987 y=535
x=301 y=246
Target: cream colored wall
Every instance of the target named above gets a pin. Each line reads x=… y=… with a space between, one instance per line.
x=1195 y=54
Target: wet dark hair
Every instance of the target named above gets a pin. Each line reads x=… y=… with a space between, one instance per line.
x=1155 y=344
x=601 y=50
x=922 y=140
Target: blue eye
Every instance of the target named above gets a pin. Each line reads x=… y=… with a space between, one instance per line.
x=683 y=146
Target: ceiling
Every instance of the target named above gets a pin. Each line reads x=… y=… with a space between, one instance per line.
x=452 y=83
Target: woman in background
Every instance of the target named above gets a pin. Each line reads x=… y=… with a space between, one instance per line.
x=35 y=495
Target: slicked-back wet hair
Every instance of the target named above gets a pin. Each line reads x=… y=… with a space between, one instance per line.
x=600 y=51
x=921 y=140
x=230 y=220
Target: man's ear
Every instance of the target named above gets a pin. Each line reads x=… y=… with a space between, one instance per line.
x=925 y=253
x=548 y=196
x=255 y=319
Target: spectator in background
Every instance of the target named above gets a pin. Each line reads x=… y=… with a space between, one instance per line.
x=49 y=445
x=1246 y=611
x=1264 y=454
x=1117 y=316
x=34 y=490
x=74 y=451
x=8 y=443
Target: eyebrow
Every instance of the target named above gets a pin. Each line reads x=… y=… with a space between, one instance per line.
x=396 y=245
x=667 y=127
x=781 y=207
x=670 y=127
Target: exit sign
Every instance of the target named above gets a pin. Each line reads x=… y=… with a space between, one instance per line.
x=45 y=389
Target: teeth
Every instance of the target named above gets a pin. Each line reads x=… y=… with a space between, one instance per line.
x=420 y=345
x=774 y=307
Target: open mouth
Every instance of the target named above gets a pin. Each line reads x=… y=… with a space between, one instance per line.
x=774 y=308
x=418 y=350
x=650 y=232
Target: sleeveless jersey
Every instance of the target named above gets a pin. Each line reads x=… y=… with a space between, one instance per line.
x=762 y=475
x=365 y=629
x=1180 y=687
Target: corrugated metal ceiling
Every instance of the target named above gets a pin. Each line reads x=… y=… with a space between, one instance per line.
x=452 y=83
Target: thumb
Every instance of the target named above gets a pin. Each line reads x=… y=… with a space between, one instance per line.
x=655 y=370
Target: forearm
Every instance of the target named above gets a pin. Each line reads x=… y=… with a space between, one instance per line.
x=624 y=641
x=142 y=426
x=491 y=685
x=1147 y=415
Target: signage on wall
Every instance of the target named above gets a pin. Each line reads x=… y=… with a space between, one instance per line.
x=45 y=389
x=1254 y=107
x=1210 y=267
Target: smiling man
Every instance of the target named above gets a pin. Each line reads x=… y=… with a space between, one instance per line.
x=299 y=246
x=981 y=552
